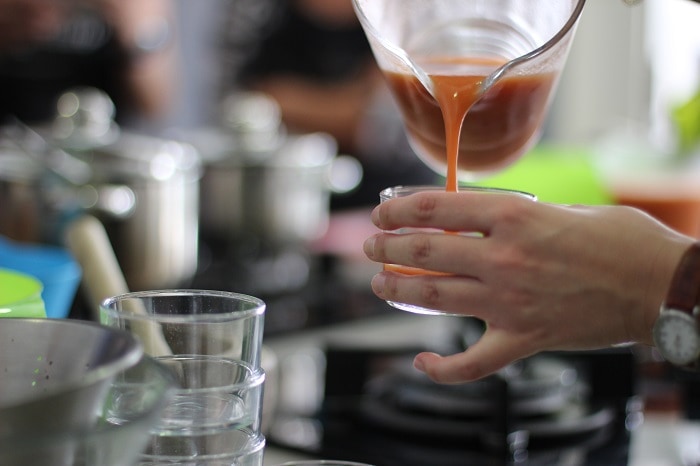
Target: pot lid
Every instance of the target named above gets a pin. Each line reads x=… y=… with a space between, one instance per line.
x=84 y=119
x=17 y=166
x=25 y=155
x=136 y=156
x=305 y=151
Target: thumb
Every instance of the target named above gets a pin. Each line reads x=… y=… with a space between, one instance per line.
x=492 y=352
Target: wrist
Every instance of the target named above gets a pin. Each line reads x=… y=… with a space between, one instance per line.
x=662 y=270
x=676 y=330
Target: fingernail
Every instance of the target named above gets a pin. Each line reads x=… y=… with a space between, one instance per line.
x=378 y=283
x=368 y=247
x=419 y=364
x=374 y=216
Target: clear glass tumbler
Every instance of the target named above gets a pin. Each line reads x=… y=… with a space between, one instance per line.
x=211 y=341
x=402 y=191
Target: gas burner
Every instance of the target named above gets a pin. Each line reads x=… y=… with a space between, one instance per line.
x=536 y=387
x=539 y=402
x=550 y=409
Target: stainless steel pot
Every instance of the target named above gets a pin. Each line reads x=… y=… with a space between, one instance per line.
x=145 y=190
x=147 y=196
x=21 y=213
x=261 y=182
x=282 y=200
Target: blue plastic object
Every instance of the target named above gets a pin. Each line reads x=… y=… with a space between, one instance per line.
x=53 y=266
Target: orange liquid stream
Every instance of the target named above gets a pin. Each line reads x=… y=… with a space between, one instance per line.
x=456 y=95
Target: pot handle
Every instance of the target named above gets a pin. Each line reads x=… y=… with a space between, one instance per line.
x=69 y=169
x=89 y=243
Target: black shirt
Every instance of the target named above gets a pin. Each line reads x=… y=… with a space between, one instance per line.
x=84 y=53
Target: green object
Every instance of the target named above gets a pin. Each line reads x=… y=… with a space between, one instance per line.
x=20 y=295
x=554 y=174
x=686 y=118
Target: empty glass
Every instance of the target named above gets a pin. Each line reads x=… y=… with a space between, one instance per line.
x=214 y=393
x=211 y=341
x=235 y=447
x=322 y=463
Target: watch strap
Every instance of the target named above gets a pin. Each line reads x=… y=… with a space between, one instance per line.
x=684 y=292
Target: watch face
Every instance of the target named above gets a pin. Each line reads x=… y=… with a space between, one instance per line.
x=676 y=337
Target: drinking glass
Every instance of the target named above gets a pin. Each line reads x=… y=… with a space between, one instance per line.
x=211 y=341
x=323 y=463
x=402 y=191
x=473 y=78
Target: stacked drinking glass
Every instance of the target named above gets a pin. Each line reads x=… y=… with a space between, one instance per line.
x=212 y=342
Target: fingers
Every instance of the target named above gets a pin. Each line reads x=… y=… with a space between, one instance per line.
x=462 y=211
x=449 y=253
x=451 y=294
x=492 y=352
x=473 y=217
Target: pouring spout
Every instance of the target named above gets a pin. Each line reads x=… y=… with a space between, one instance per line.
x=401 y=60
x=553 y=42
x=494 y=77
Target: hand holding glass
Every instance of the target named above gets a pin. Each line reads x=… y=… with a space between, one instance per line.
x=401 y=191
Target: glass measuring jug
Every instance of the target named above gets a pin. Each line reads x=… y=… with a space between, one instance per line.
x=473 y=78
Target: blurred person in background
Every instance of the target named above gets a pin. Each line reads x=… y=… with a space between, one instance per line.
x=313 y=58
x=123 y=47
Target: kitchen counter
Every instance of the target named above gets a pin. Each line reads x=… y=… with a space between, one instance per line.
x=662 y=440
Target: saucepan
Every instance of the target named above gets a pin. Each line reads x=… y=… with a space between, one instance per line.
x=144 y=189
x=261 y=180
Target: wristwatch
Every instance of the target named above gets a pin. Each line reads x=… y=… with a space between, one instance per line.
x=677 y=329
